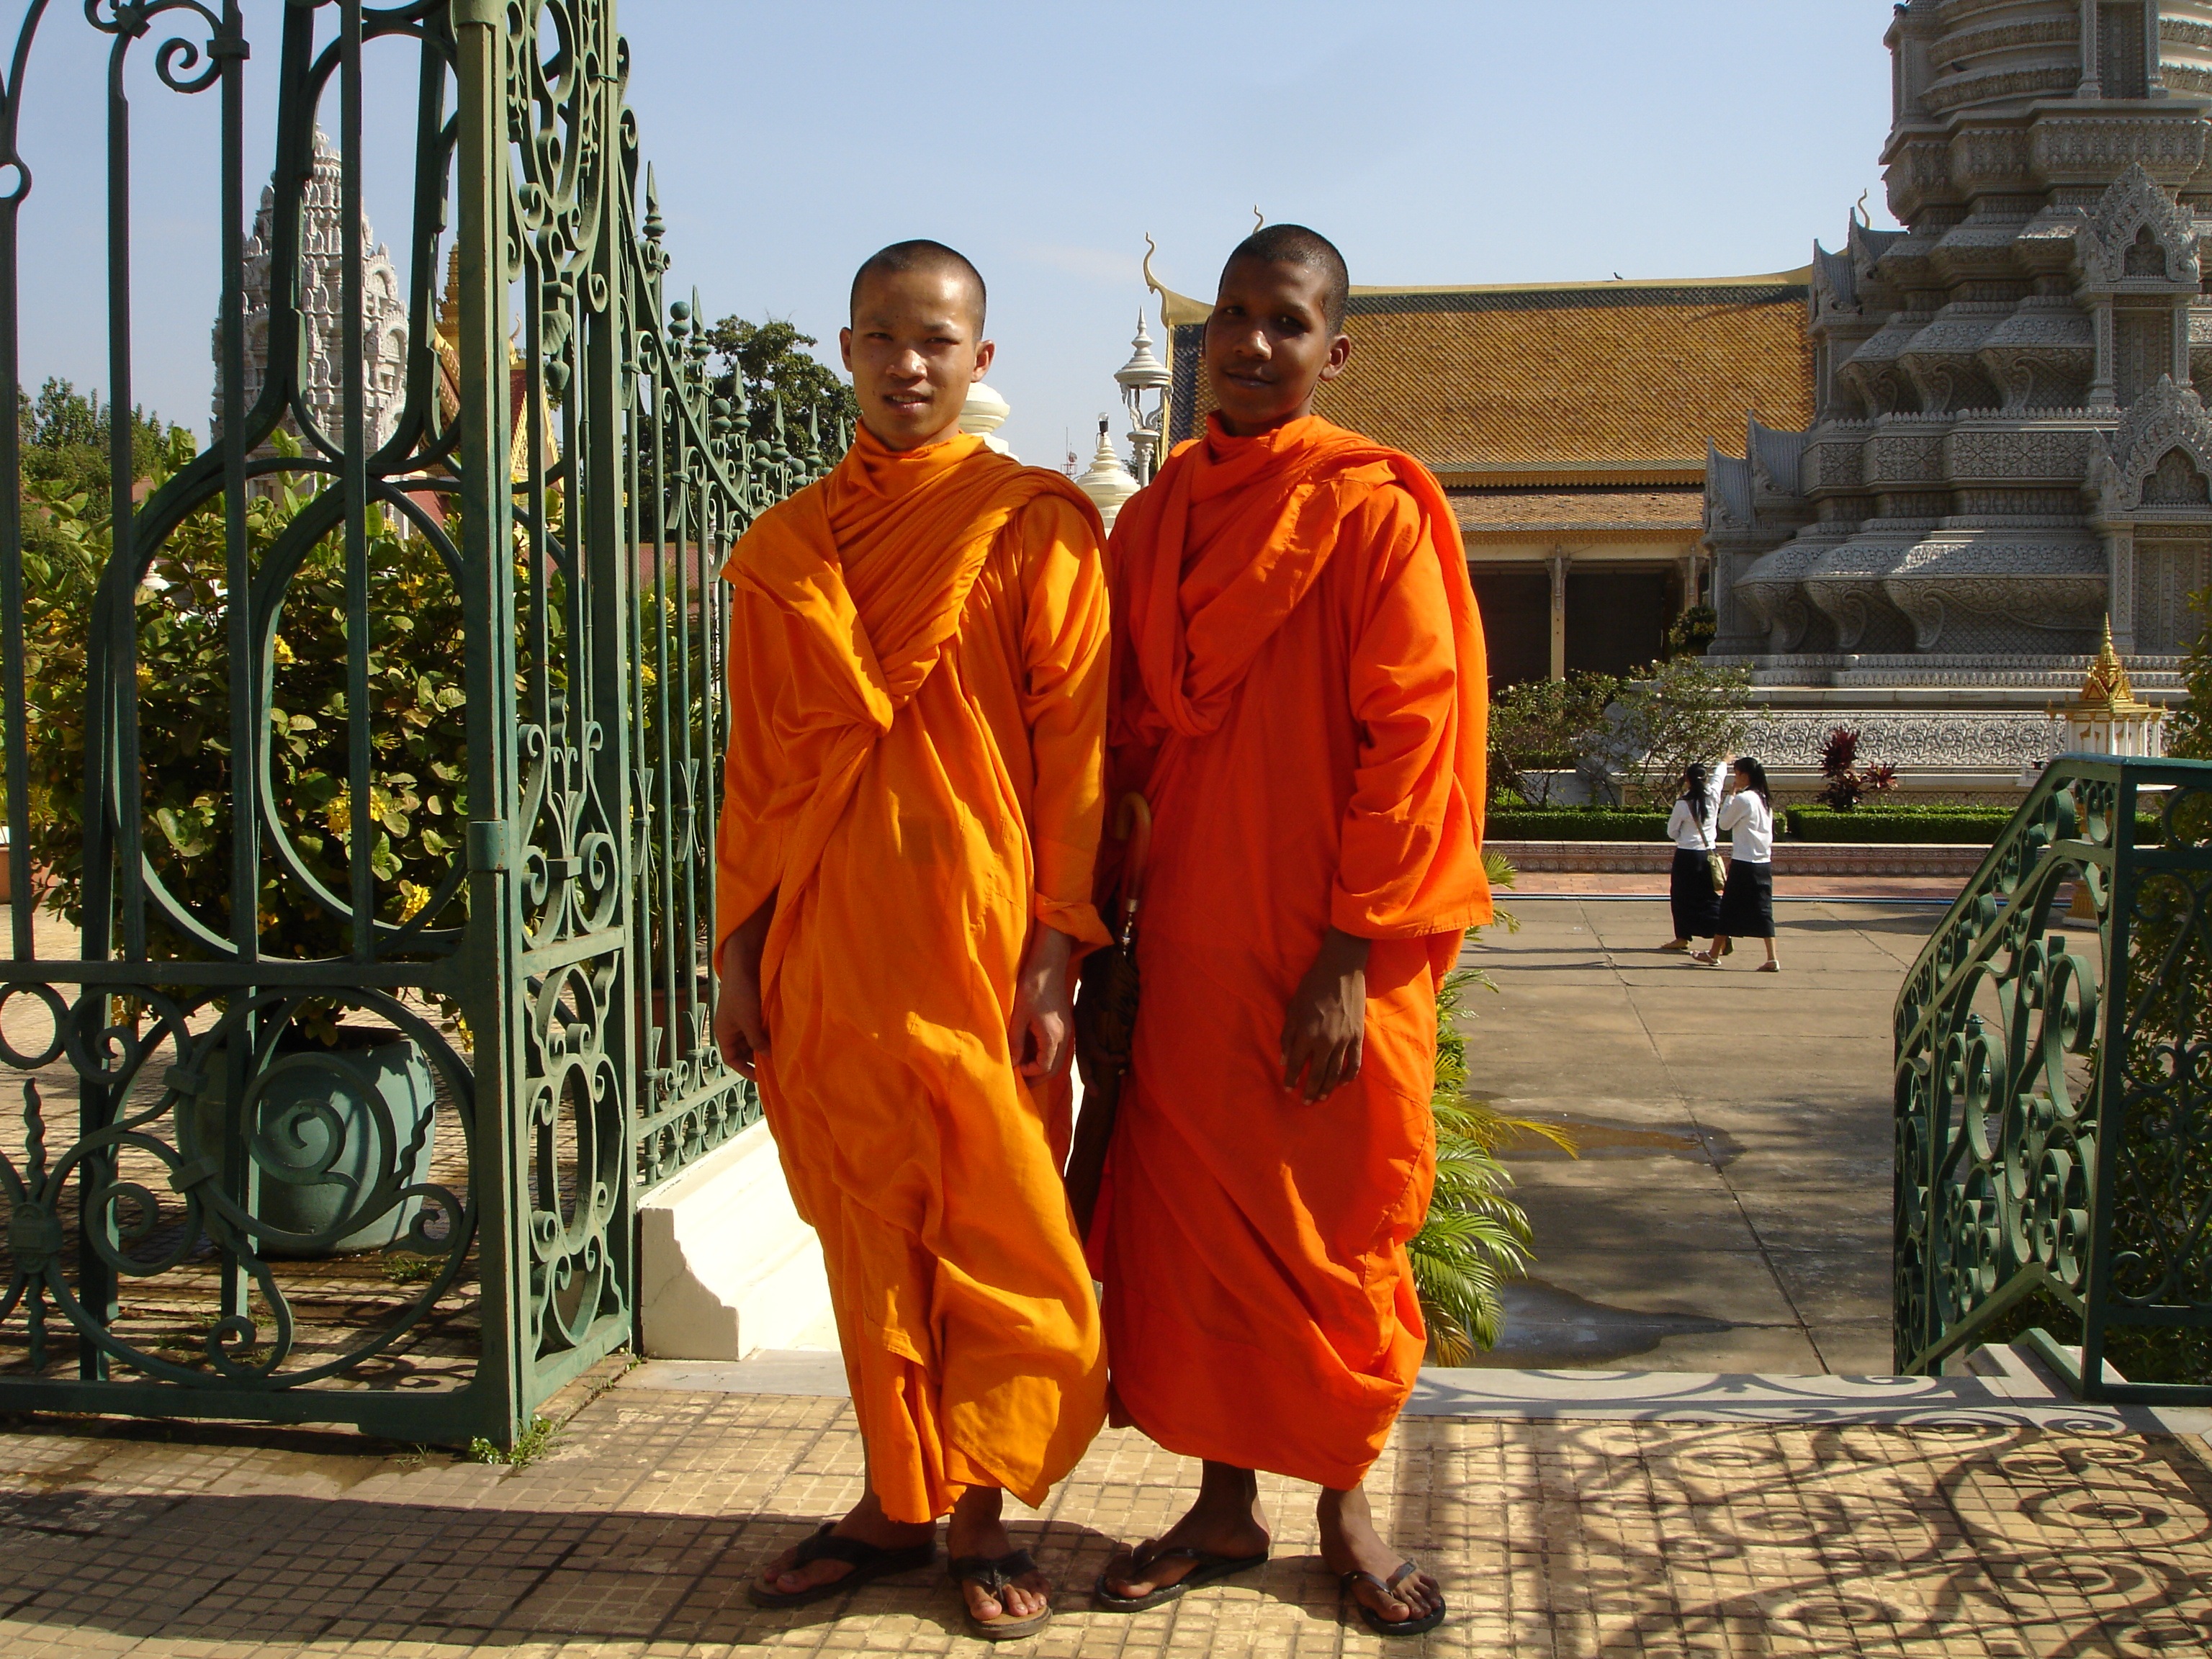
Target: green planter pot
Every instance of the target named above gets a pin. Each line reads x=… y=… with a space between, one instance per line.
x=324 y=1125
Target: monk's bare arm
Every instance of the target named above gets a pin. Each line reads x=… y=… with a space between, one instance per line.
x=740 y=1028
x=1325 y=1028
x=1041 y=1033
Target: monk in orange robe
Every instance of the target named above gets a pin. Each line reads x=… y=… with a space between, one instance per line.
x=918 y=702
x=1299 y=692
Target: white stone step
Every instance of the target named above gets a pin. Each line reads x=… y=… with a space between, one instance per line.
x=724 y=1264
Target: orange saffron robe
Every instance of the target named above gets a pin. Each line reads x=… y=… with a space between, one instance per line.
x=918 y=699
x=1299 y=691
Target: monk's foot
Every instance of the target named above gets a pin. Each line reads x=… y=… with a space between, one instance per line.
x=864 y=1523
x=976 y=1532
x=1225 y=1523
x=1349 y=1544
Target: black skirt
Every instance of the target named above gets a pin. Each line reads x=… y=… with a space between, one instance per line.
x=1690 y=893
x=1747 y=903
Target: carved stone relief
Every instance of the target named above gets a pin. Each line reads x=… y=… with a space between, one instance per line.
x=2168 y=571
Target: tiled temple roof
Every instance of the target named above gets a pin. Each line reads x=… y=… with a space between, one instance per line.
x=1624 y=381
x=1495 y=514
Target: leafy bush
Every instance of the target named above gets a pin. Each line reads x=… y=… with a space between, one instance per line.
x=1974 y=826
x=2189 y=727
x=410 y=829
x=1682 y=712
x=1574 y=824
x=1692 y=631
x=65 y=436
x=1543 y=726
x=1848 y=782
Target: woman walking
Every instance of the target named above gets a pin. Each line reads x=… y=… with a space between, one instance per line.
x=1693 y=893
x=1748 y=902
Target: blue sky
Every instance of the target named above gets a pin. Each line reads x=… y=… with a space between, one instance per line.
x=1479 y=140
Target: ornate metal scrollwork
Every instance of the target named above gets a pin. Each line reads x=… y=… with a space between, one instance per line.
x=2054 y=1103
x=228 y=1217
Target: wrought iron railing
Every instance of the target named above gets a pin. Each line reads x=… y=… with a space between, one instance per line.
x=427 y=1239
x=2054 y=1082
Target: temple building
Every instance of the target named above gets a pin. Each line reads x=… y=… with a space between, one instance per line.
x=1570 y=423
x=322 y=268
x=2009 y=443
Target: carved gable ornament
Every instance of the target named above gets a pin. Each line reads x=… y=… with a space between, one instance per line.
x=2161 y=456
x=2137 y=231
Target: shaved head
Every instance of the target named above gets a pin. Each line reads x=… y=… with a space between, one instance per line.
x=1294 y=244
x=921 y=254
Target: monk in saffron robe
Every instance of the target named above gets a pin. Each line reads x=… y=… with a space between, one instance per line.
x=918 y=700
x=1299 y=692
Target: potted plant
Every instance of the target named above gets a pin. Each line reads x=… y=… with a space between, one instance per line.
x=337 y=1118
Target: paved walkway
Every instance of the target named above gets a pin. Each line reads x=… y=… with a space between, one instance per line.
x=1730 y=1209
x=634 y=1537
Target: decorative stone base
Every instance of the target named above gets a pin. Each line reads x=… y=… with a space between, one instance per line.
x=724 y=1264
x=1790 y=858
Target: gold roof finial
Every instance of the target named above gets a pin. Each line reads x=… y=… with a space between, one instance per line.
x=2107 y=678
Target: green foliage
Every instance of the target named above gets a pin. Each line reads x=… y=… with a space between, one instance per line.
x=2189 y=727
x=1574 y=824
x=1678 y=712
x=767 y=360
x=1692 y=631
x=1963 y=826
x=1473 y=1237
x=1542 y=725
x=65 y=434
x=532 y=1444
x=412 y=828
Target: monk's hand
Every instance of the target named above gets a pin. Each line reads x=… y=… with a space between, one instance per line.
x=740 y=1028
x=1040 y=1032
x=1325 y=1028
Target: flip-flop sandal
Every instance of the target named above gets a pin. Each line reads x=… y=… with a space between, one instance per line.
x=869 y=1562
x=1376 y=1621
x=991 y=1576
x=1207 y=1568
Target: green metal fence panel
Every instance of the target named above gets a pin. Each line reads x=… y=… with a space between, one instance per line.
x=2054 y=1081
x=459 y=673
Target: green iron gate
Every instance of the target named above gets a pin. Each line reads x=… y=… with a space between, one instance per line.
x=2054 y=1087
x=469 y=658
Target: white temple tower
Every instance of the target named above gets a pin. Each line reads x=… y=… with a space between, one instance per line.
x=2010 y=439
x=322 y=262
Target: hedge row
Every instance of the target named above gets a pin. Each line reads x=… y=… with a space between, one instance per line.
x=1955 y=826
x=1574 y=824
x=1976 y=826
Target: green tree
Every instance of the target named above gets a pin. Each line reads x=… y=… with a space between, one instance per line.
x=769 y=361
x=2189 y=730
x=1541 y=726
x=1678 y=712
x=64 y=434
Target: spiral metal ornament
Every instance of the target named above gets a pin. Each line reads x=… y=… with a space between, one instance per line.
x=2053 y=1086
x=424 y=1233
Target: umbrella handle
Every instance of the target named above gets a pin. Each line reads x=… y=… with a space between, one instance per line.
x=1133 y=823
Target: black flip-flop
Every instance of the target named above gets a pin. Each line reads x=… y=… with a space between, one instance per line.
x=869 y=1562
x=991 y=1576
x=1207 y=1569
x=1376 y=1621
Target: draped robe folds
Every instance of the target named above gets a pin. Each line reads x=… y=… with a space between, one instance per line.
x=1299 y=689
x=918 y=690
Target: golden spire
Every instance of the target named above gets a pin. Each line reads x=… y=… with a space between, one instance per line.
x=2106 y=681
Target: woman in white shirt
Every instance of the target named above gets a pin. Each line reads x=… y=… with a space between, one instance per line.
x=1748 y=902
x=1691 y=893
